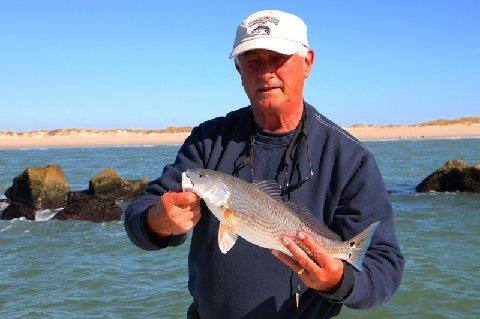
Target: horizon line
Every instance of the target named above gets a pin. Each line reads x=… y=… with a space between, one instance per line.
x=465 y=120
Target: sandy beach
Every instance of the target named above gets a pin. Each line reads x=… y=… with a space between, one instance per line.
x=79 y=141
x=414 y=132
x=92 y=137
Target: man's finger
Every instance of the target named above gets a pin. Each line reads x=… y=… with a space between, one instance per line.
x=183 y=213
x=196 y=212
x=196 y=219
x=180 y=199
x=300 y=256
x=290 y=262
x=316 y=248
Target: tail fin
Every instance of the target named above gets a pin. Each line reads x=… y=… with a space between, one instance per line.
x=358 y=245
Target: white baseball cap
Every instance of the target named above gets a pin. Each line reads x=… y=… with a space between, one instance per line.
x=272 y=30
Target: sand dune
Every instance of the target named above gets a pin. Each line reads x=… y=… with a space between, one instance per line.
x=442 y=128
x=455 y=128
x=462 y=121
x=414 y=132
x=81 y=132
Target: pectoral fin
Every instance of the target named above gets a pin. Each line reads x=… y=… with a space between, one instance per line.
x=226 y=238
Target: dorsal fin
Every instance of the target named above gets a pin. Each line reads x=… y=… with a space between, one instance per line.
x=307 y=217
x=269 y=187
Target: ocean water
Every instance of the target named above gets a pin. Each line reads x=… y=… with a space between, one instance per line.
x=74 y=269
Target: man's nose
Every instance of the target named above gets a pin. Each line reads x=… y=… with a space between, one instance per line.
x=266 y=70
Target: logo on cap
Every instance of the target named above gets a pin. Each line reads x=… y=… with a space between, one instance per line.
x=261 y=30
x=263 y=20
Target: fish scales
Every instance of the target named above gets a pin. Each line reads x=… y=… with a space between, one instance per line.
x=256 y=213
x=263 y=220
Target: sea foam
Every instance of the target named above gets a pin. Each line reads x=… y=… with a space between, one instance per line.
x=46 y=214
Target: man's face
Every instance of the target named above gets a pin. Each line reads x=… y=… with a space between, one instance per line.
x=273 y=81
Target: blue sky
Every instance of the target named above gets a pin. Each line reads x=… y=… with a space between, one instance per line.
x=153 y=64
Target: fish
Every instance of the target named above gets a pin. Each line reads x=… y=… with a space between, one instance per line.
x=256 y=212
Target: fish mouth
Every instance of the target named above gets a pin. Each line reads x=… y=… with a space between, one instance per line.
x=187 y=184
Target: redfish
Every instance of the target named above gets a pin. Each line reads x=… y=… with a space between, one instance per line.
x=257 y=213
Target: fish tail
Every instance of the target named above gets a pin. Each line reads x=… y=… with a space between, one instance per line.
x=358 y=245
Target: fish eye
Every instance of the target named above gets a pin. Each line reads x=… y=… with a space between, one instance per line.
x=200 y=175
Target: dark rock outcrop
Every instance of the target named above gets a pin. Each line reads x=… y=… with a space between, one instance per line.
x=109 y=184
x=40 y=188
x=17 y=210
x=453 y=176
x=91 y=208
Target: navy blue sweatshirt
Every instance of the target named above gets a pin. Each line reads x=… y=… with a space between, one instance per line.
x=346 y=192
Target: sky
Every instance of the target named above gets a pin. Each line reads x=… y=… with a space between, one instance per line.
x=154 y=64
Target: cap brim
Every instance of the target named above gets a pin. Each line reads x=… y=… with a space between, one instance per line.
x=279 y=45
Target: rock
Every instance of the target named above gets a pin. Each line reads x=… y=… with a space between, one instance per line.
x=17 y=210
x=109 y=184
x=40 y=188
x=91 y=208
x=453 y=176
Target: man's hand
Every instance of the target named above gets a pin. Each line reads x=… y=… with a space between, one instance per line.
x=175 y=213
x=318 y=271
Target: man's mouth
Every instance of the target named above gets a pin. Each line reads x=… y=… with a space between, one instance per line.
x=267 y=89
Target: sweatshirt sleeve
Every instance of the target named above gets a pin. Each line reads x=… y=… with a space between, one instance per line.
x=189 y=156
x=364 y=201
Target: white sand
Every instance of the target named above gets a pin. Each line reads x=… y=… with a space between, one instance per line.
x=87 y=137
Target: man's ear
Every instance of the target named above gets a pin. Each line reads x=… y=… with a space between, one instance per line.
x=308 y=62
x=238 y=70
x=237 y=67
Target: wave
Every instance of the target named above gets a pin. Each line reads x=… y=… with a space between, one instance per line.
x=6 y=228
x=435 y=193
x=32 y=148
x=40 y=215
x=3 y=206
x=134 y=145
x=46 y=214
x=418 y=138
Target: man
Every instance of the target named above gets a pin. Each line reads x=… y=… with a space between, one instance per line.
x=278 y=137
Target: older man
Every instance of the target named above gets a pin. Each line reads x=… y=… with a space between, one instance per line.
x=278 y=137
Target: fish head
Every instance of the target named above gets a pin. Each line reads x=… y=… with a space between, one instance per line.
x=210 y=186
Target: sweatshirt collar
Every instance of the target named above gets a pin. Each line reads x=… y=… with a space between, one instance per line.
x=273 y=138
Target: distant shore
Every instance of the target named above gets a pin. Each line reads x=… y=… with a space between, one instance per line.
x=414 y=132
x=105 y=140
x=461 y=128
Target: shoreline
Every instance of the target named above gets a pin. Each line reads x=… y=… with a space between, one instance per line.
x=361 y=132
x=86 y=141
x=414 y=132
